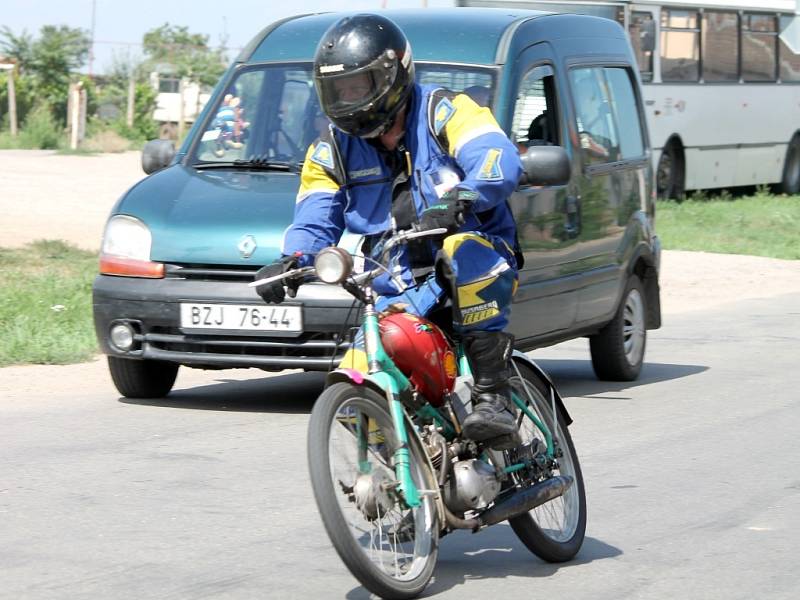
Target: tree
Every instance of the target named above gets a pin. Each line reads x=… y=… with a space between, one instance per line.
x=185 y=54
x=50 y=61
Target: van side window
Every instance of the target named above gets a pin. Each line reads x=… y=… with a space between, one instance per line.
x=607 y=115
x=535 y=120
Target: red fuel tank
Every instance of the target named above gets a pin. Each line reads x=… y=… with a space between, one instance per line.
x=421 y=351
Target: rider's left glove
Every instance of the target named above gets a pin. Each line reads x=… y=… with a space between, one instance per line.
x=448 y=213
x=273 y=292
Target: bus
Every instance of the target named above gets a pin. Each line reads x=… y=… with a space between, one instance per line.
x=721 y=80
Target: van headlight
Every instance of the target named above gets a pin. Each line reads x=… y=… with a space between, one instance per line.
x=126 y=249
x=127 y=237
x=333 y=265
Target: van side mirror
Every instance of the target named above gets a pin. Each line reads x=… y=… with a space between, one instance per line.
x=647 y=35
x=545 y=165
x=157 y=154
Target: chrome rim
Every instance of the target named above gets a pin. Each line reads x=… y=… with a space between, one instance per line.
x=398 y=541
x=633 y=330
x=558 y=518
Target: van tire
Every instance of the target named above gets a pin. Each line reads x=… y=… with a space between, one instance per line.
x=618 y=348
x=671 y=172
x=142 y=378
x=790 y=183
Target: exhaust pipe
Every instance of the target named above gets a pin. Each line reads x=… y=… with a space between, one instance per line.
x=524 y=500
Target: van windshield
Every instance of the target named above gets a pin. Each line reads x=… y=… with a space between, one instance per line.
x=271 y=114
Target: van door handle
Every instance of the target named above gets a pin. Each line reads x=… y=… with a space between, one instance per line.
x=572 y=217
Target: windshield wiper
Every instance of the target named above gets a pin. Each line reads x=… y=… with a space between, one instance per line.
x=257 y=163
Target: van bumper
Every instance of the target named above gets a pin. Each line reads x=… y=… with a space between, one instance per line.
x=151 y=307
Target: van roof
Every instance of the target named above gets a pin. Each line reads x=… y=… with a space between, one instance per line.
x=463 y=35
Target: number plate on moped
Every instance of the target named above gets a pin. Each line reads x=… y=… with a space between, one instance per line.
x=242 y=317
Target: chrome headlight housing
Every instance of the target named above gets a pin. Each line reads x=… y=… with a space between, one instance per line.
x=333 y=265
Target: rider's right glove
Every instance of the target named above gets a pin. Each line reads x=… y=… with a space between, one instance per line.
x=448 y=213
x=273 y=292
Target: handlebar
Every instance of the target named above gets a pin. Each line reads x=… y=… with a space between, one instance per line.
x=398 y=238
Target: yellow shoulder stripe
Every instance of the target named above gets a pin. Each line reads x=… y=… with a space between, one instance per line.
x=468 y=121
x=314 y=177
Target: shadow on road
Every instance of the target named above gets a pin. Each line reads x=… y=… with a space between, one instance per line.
x=577 y=379
x=494 y=553
x=293 y=393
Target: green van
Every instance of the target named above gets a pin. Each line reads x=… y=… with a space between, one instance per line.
x=181 y=245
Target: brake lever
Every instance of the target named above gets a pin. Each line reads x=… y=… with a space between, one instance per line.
x=302 y=271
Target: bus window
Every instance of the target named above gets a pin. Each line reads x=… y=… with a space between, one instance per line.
x=680 y=45
x=720 y=46
x=790 y=62
x=641 y=31
x=759 y=48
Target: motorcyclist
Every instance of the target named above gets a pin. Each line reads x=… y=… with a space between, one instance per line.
x=400 y=154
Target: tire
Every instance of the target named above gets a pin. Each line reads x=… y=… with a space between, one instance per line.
x=618 y=349
x=790 y=184
x=555 y=530
x=671 y=173
x=340 y=414
x=142 y=378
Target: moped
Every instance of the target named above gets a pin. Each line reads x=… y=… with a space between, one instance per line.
x=390 y=470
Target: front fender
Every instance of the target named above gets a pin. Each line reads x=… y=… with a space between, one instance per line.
x=524 y=358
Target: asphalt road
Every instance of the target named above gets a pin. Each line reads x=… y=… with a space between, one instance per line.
x=692 y=475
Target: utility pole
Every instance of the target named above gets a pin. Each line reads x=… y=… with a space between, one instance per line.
x=91 y=47
x=131 y=99
x=12 y=97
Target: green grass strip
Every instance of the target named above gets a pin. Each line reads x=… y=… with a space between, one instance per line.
x=46 y=304
x=759 y=225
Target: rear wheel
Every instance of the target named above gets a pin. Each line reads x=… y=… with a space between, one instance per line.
x=553 y=531
x=790 y=184
x=618 y=349
x=390 y=548
x=670 y=175
x=142 y=378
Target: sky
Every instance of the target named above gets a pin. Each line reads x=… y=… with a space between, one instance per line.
x=120 y=24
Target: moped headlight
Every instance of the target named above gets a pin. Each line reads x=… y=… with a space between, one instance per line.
x=333 y=265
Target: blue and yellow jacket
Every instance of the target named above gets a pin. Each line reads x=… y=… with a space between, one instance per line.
x=450 y=140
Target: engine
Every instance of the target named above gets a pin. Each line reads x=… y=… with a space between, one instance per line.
x=472 y=485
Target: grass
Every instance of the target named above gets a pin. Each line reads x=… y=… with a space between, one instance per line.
x=46 y=304
x=759 y=225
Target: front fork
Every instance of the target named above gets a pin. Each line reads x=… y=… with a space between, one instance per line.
x=385 y=373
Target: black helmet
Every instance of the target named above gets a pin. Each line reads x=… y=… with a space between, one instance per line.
x=363 y=73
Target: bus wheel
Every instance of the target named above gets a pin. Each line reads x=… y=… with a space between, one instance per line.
x=168 y=131
x=670 y=173
x=790 y=184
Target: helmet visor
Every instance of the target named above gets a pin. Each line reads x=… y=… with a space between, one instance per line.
x=346 y=93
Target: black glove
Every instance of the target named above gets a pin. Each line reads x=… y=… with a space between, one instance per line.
x=449 y=211
x=273 y=292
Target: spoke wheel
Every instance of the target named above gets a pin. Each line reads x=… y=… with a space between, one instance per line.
x=390 y=548
x=554 y=531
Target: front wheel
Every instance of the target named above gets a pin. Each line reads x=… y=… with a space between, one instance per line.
x=142 y=378
x=390 y=548
x=553 y=531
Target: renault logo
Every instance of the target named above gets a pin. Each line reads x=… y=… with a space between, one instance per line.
x=247 y=245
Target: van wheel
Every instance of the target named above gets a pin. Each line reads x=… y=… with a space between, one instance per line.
x=142 y=378
x=670 y=175
x=618 y=349
x=790 y=184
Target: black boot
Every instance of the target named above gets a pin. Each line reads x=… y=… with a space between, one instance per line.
x=493 y=419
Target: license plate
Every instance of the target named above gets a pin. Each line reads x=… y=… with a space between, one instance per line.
x=242 y=317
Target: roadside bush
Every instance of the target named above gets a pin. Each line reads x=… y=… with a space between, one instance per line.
x=40 y=130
